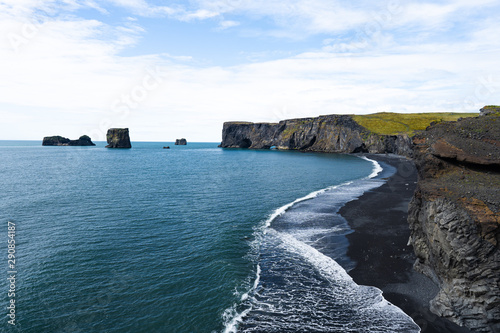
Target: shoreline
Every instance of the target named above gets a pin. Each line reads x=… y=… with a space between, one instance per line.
x=379 y=247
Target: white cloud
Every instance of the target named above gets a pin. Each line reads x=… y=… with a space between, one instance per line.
x=65 y=74
x=228 y=24
x=200 y=14
x=296 y=16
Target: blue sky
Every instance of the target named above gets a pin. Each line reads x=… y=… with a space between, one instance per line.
x=170 y=69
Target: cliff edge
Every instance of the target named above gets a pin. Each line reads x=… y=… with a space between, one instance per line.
x=118 y=138
x=454 y=218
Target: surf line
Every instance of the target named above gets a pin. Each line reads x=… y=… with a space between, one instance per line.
x=376 y=167
x=235 y=318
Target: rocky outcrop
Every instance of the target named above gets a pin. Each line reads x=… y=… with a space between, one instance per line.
x=181 y=142
x=454 y=218
x=489 y=109
x=331 y=133
x=57 y=140
x=118 y=138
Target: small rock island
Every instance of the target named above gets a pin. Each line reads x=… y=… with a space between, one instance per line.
x=180 y=142
x=118 y=138
x=57 y=140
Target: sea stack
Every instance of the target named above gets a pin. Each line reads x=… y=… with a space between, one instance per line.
x=118 y=138
x=57 y=140
x=181 y=142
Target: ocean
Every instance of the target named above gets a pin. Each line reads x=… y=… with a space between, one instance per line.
x=189 y=239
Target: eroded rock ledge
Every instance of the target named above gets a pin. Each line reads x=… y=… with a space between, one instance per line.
x=454 y=218
x=331 y=133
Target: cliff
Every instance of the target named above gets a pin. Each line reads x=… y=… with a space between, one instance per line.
x=454 y=218
x=118 y=138
x=57 y=140
x=331 y=133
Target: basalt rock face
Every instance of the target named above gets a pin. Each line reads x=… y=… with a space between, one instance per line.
x=454 y=218
x=118 y=138
x=84 y=140
x=332 y=133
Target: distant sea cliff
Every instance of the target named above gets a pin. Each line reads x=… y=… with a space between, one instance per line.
x=454 y=216
x=331 y=133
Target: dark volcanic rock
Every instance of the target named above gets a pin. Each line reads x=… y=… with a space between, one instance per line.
x=84 y=140
x=181 y=142
x=55 y=141
x=332 y=133
x=454 y=218
x=118 y=138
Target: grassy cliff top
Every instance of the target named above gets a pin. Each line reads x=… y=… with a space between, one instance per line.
x=389 y=123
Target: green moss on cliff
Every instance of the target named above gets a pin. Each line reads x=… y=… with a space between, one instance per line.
x=388 y=123
x=294 y=126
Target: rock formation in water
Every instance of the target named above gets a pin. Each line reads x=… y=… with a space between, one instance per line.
x=118 y=138
x=181 y=142
x=57 y=140
x=454 y=218
x=332 y=133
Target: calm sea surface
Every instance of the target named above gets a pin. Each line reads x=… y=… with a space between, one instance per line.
x=191 y=239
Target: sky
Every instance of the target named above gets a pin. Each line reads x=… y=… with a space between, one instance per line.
x=172 y=69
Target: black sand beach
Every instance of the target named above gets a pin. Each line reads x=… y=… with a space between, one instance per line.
x=379 y=246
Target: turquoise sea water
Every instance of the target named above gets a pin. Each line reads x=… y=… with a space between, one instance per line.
x=191 y=239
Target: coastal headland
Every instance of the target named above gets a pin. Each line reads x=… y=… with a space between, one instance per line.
x=430 y=237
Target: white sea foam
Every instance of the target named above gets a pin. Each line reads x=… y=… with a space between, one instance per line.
x=375 y=312
x=284 y=208
x=231 y=316
x=234 y=318
x=328 y=267
x=297 y=299
x=376 y=167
